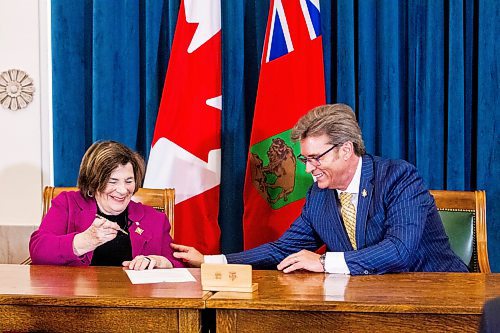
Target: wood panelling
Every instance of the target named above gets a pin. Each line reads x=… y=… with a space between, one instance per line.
x=312 y=302
x=95 y=299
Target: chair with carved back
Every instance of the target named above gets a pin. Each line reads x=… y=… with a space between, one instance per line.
x=464 y=218
x=162 y=200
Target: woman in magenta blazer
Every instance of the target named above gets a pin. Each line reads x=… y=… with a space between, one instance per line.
x=99 y=225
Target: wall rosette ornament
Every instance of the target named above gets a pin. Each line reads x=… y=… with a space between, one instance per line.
x=16 y=89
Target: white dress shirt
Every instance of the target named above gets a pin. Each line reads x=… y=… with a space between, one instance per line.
x=335 y=261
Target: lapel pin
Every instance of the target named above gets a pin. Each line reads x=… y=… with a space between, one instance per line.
x=139 y=230
x=364 y=193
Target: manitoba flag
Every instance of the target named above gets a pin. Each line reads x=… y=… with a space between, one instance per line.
x=185 y=153
x=291 y=83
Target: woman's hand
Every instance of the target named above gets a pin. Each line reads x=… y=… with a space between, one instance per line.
x=141 y=262
x=100 y=231
x=188 y=254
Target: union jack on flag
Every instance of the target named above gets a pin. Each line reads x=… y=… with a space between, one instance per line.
x=280 y=41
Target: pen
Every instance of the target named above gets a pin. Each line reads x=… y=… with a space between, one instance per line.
x=102 y=217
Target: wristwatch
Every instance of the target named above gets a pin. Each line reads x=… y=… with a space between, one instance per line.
x=322 y=261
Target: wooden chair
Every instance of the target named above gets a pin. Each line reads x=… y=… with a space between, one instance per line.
x=162 y=200
x=464 y=218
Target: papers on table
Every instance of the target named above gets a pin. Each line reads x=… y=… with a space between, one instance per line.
x=160 y=275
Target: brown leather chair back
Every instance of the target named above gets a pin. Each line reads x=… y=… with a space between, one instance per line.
x=464 y=217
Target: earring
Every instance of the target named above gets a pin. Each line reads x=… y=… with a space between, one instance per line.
x=89 y=194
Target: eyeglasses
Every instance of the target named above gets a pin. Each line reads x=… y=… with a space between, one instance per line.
x=316 y=159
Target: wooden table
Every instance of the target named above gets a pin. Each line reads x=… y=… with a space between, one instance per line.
x=102 y=299
x=95 y=299
x=311 y=302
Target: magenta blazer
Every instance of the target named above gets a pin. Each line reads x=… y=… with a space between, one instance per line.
x=71 y=213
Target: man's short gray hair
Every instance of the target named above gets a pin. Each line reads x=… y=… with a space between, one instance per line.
x=337 y=121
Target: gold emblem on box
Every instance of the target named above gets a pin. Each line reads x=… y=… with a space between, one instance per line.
x=227 y=277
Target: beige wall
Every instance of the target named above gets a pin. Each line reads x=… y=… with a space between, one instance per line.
x=24 y=134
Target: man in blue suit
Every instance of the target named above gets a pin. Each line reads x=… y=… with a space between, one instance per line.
x=374 y=215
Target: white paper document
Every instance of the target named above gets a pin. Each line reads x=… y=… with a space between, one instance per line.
x=160 y=275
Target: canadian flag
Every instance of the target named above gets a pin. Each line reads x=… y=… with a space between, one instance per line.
x=185 y=152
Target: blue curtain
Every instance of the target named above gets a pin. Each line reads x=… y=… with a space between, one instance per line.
x=109 y=65
x=421 y=75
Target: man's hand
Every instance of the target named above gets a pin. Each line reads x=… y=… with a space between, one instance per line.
x=188 y=254
x=304 y=259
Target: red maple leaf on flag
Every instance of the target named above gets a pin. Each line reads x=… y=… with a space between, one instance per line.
x=185 y=152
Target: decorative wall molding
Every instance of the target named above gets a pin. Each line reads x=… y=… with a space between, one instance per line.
x=16 y=89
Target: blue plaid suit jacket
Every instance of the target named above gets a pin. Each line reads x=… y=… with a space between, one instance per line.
x=398 y=228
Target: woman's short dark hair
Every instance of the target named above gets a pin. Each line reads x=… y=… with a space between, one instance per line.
x=99 y=162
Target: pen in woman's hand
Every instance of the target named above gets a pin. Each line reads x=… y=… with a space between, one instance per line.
x=119 y=228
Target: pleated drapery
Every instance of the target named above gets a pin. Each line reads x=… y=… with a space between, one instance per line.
x=421 y=75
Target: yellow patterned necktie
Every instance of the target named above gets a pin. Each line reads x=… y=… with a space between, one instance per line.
x=349 y=216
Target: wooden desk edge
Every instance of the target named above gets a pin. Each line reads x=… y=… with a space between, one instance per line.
x=112 y=302
x=235 y=304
